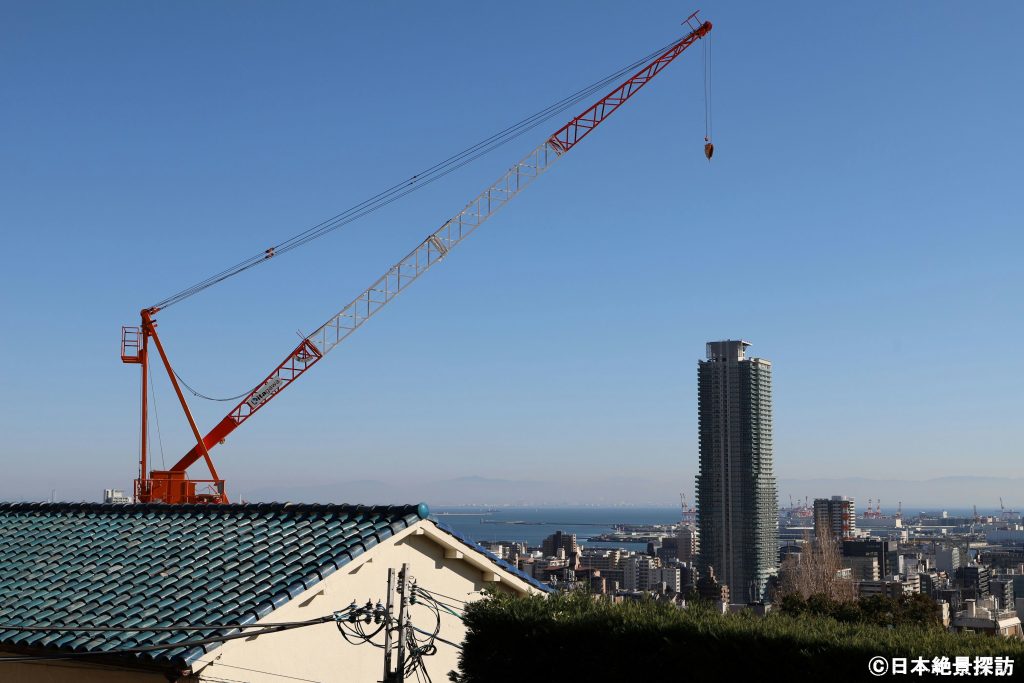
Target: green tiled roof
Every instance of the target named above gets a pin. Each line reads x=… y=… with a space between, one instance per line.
x=83 y=564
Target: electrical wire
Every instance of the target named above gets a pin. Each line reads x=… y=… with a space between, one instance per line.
x=415 y=182
x=440 y=639
x=447 y=608
x=417 y=649
x=175 y=628
x=218 y=679
x=154 y=648
x=355 y=620
x=258 y=671
x=432 y=592
x=245 y=631
x=442 y=602
x=416 y=653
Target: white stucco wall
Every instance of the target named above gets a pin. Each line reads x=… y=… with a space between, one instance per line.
x=320 y=653
x=58 y=671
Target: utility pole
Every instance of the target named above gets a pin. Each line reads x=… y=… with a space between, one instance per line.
x=387 y=629
x=351 y=623
x=403 y=583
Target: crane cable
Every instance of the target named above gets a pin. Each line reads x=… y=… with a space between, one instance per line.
x=209 y=398
x=156 y=415
x=709 y=146
x=415 y=182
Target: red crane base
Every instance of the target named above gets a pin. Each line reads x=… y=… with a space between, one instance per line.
x=174 y=487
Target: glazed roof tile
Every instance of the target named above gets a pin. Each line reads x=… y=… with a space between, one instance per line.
x=73 y=564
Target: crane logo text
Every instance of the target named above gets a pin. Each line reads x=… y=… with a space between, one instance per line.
x=268 y=389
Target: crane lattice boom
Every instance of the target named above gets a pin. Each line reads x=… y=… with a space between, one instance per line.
x=428 y=253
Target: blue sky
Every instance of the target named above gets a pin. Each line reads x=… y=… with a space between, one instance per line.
x=860 y=225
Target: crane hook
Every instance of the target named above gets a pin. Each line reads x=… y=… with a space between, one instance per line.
x=709 y=149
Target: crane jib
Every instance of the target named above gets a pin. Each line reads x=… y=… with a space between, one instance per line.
x=438 y=244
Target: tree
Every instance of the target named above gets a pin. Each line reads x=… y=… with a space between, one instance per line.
x=816 y=571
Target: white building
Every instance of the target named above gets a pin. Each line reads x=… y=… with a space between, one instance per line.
x=168 y=565
x=116 y=497
x=670 y=576
x=985 y=616
x=637 y=571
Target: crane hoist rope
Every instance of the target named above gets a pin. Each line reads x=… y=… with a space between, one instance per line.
x=174 y=485
x=709 y=145
x=411 y=184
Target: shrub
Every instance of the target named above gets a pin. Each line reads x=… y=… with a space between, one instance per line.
x=592 y=639
x=904 y=610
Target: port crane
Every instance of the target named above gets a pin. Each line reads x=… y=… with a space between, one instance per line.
x=689 y=513
x=173 y=485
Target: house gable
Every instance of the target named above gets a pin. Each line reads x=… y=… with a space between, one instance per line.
x=439 y=561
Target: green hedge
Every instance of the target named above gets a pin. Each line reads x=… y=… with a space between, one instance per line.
x=574 y=635
x=881 y=610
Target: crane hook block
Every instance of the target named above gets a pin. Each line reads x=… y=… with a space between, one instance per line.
x=709 y=150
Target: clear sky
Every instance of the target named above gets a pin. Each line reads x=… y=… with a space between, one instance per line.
x=860 y=225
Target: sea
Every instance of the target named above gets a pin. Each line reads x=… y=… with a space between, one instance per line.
x=533 y=525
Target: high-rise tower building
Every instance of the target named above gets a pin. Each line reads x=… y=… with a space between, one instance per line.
x=835 y=517
x=737 y=497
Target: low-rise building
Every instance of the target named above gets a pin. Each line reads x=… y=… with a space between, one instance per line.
x=669 y=578
x=81 y=565
x=893 y=587
x=559 y=541
x=688 y=543
x=1002 y=589
x=974 y=580
x=984 y=616
x=602 y=559
x=947 y=559
x=637 y=572
x=884 y=550
x=862 y=568
x=116 y=497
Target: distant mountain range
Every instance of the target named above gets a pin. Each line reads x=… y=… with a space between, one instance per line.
x=478 y=491
x=942 y=492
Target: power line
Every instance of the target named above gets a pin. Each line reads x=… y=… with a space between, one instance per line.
x=440 y=639
x=177 y=628
x=351 y=622
x=245 y=631
x=259 y=671
x=433 y=592
x=447 y=608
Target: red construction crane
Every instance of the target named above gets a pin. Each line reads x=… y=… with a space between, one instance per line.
x=174 y=485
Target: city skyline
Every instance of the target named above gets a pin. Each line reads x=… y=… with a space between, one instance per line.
x=530 y=354
x=710 y=393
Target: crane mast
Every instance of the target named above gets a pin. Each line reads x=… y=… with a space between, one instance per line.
x=174 y=486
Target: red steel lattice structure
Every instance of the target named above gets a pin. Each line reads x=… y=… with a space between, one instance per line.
x=174 y=485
